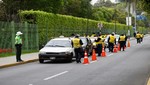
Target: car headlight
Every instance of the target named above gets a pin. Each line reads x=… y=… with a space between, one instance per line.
x=42 y=52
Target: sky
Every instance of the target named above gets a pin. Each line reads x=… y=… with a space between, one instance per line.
x=94 y=1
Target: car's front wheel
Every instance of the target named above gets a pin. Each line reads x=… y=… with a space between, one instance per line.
x=70 y=58
x=41 y=60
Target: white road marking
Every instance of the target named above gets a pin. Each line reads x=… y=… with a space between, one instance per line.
x=55 y=75
x=30 y=84
x=93 y=61
x=110 y=54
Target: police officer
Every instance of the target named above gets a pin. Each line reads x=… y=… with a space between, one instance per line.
x=111 y=42
x=77 y=44
x=142 y=36
x=18 y=45
x=122 y=41
x=138 y=37
x=99 y=44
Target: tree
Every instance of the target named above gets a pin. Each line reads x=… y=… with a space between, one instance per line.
x=78 y=8
x=104 y=3
x=145 y=5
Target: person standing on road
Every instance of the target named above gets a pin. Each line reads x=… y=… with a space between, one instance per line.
x=99 y=44
x=138 y=37
x=77 y=44
x=142 y=36
x=122 y=41
x=18 y=45
x=111 y=42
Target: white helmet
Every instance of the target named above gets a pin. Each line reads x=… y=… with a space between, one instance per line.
x=19 y=33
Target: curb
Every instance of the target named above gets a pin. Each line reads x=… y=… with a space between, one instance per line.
x=148 y=83
x=18 y=63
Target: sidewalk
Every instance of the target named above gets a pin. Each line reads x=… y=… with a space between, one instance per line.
x=11 y=60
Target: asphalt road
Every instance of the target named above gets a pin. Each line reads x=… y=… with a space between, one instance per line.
x=131 y=67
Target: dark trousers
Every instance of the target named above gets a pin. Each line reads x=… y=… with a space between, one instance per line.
x=78 y=54
x=111 y=47
x=99 y=49
x=122 y=45
x=18 y=52
x=138 y=40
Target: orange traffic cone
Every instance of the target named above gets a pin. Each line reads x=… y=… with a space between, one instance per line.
x=115 y=49
x=86 y=60
x=128 y=44
x=94 y=55
x=103 y=54
x=118 y=47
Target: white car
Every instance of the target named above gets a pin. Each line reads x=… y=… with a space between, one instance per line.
x=58 y=48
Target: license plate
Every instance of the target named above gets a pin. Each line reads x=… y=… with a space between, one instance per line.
x=52 y=58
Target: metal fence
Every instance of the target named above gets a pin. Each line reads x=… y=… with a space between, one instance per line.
x=8 y=32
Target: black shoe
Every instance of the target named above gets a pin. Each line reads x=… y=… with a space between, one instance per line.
x=20 y=61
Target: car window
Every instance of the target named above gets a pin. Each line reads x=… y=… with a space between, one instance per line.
x=117 y=36
x=59 y=43
x=84 y=40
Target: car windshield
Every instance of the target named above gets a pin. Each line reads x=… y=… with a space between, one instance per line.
x=117 y=36
x=58 y=43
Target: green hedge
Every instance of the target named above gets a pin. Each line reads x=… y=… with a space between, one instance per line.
x=53 y=25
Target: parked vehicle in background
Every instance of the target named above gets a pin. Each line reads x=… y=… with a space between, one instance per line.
x=106 y=39
x=57 y=48
x=93 y=39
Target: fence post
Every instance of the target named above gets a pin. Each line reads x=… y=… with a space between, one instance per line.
x=12 y=26
x=37 y=37
x=26 y=36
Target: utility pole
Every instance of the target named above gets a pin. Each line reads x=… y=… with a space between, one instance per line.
x=128 y=20
x=135 y=15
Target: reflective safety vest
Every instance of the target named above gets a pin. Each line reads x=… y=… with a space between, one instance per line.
x=122 y=38
x=76 y=43
x=112 y=39
x=18 y=40
x=142 y=35
x=99 y=42
x=138 y=35
x=93 y=35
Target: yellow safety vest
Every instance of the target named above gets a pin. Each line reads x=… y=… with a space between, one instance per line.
x=142 y=35
x=122 y=38
x=112 y=39
x=76 y=43
x=99 y=42
x=138 y=35
x=93 y=35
